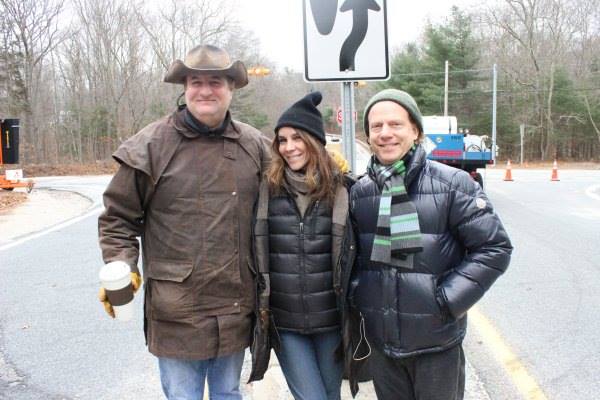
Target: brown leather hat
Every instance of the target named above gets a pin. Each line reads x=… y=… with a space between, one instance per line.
x=207 y=58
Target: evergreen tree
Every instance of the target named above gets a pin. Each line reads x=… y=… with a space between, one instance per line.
x=243 y=108
x=420 y=70
x=410 y=73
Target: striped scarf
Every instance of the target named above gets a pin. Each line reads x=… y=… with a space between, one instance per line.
x=398 y=233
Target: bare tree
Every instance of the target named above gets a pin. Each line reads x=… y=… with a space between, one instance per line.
x=84 y=86
x=534 y=37
x=33 y=25
x=105 y=71
x=181 y=24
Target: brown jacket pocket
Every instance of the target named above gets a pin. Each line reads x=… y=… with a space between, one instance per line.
x=171 y=290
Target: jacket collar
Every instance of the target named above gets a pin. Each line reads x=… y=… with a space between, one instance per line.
x=232 y=131
x=415 y=165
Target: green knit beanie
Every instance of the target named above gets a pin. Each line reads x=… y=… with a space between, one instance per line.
x=397 y=96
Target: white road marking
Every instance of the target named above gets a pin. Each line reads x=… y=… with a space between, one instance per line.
x=590 y=191
x=94 y=211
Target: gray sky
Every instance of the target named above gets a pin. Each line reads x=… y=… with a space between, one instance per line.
x=278 y=24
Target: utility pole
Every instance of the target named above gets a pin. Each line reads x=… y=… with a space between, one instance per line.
x=446 y=90
x=494 y=84
x=522 y=133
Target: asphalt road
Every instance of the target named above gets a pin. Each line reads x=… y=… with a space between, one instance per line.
x=547 y=305
x=56 y=343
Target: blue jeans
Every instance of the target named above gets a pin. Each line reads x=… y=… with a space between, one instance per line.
x=309 y=365
x=184 y=379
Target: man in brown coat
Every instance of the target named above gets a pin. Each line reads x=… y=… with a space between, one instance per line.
x=186 y=185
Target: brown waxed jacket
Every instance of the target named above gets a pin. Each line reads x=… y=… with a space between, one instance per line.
x=190 y=198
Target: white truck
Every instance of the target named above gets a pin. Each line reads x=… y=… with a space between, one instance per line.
x=447 y=144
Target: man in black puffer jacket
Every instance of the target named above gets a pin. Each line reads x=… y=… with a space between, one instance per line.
x=429 y=247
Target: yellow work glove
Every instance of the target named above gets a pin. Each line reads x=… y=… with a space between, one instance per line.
x=136 y=282
x=341 y=162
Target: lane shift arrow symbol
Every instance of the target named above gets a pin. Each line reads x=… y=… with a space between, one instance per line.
x=324 y=12
x=360 y=17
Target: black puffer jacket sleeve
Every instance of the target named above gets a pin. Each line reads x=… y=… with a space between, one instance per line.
x=474 y=223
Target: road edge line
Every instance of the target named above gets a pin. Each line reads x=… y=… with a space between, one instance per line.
x=523 y=381
x=60 y=225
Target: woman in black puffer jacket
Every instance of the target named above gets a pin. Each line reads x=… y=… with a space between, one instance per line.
x=301 y=228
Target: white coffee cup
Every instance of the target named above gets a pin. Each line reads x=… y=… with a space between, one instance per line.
x=115 y=278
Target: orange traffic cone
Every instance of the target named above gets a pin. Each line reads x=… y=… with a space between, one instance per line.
x=508 y=173
x=554 y=172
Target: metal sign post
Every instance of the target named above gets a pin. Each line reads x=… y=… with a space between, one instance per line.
x=348 y=127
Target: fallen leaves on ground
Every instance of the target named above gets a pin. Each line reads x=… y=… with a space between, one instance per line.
x=98 y=168
x=548 y=165
x=33 y=170
x=10 y=199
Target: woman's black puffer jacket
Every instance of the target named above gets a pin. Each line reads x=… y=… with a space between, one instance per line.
x=300 y=266
x=422 y=307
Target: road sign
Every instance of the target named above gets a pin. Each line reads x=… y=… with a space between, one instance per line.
x=339 y=116
x=345 y=40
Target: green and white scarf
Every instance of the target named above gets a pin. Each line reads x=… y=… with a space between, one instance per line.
x=398 y=232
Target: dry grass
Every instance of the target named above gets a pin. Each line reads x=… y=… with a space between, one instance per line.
x=33 y=170
x=548 y=165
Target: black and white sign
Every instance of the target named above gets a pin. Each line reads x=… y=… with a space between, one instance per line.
x=345 y=40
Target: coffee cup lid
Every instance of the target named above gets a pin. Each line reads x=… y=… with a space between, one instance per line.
x=114 y=271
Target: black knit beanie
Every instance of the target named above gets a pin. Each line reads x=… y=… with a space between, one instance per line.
x=304 y=115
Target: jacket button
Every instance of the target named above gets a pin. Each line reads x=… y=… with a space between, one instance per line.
x=233 y=193
x=236 y=304
x=352 y=247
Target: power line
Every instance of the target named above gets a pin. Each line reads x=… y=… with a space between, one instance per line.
x=461 y=71
x=524 y=91
x=419 y=73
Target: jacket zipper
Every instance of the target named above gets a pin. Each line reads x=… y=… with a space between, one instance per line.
x=302 y=263
x=303 y=274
